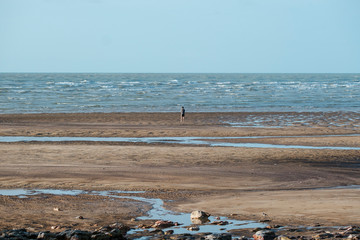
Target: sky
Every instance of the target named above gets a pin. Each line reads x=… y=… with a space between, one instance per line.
x=194 y=36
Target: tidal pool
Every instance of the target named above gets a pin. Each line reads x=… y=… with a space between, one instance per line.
x=157 y=211
x=207 y=141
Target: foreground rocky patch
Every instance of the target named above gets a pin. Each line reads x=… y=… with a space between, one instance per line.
x=120 y=231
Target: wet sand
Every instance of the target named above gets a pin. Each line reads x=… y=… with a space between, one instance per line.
x=242 y=182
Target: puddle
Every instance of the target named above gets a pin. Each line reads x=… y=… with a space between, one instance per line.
x=207 y=141
x=340 y=187
x=157 y=212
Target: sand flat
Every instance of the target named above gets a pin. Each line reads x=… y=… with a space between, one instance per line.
x=222 y=180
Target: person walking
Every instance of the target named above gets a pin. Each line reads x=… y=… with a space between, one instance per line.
x=182 y=114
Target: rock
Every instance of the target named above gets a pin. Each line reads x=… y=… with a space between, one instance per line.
x=199 y=221
x=80 y=237
x=281 y=237
x=223 y=236
x=74 y=235
x=264 y=220
x=116 y=233
x=169 y=232
x=123 y=228
x=157 y=231
x=353 y=237
x=199 y=214
x=264 y=235
x=220 y=223
x=163 y=224
x=196 y=228
x=324 y=236
x=242 y=238
x=273 y=226
x=46 y=235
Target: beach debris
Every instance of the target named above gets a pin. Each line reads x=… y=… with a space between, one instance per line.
x=164 y=224
x=56 y=209
x=80 y=217
x=55 y=227
x=264 y=235
x=199 y=214
x=348 y=230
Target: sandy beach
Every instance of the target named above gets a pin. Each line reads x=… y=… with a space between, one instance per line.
x=292 y=186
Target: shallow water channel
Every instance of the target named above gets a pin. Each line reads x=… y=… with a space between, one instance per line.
x=206 y=141
x=157 y=211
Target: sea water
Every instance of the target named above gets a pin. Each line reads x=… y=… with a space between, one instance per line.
x=112 y=92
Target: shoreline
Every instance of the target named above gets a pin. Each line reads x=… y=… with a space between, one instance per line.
x=241 y=182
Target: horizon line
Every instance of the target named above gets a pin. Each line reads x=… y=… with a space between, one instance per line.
x=180 y=72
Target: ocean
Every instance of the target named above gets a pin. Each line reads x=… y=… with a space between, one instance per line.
x=120 y=92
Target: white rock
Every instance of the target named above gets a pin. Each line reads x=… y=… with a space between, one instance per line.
x=199 y=214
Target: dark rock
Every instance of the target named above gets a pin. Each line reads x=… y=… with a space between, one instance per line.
x=242 y=238
x=220 y=223
x=157 y=231
x=46 y=235
x=264 y=235
x=193 y=228
x=257 y=229
x=169 y=232
x=123 y=228
x=100 y=236
x=80 y=237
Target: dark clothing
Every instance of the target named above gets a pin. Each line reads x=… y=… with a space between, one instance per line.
x=183 y=112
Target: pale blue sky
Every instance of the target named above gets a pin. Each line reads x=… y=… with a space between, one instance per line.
x=242 y=36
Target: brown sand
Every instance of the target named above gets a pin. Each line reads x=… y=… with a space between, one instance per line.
x=244 y=182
